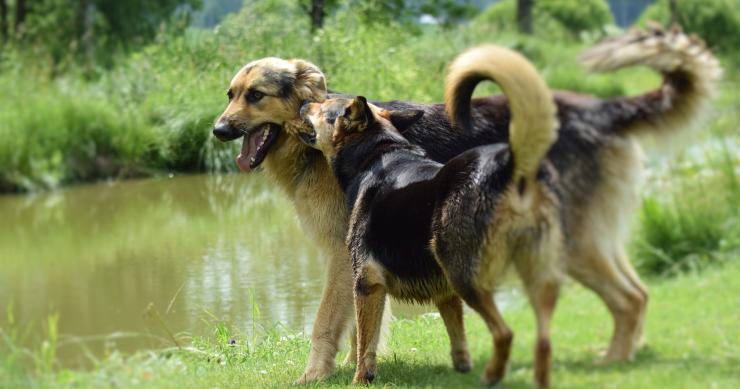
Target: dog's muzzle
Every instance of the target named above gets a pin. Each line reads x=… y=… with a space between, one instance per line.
x=225 y=132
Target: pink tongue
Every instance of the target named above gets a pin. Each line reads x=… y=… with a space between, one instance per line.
x=250 y=145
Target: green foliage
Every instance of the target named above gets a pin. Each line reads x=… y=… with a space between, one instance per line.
x=70 y=30
x=554 y=19
x=64 y=133
x=715 y=21
x=697 y=224
x=448 y=12
x=577 y=15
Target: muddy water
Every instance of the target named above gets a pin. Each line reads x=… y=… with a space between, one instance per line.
x=194 y=249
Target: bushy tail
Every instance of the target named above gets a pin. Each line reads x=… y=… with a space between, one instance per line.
x=690 y=73
x=533 y=125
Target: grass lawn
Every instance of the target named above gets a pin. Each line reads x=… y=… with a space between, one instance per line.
x=693 y=341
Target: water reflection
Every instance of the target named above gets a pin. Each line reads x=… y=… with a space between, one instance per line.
x=196 y=247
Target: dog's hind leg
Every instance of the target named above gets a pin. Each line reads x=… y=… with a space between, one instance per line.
x=332 y=319
x=482 y=302
x=543 y=296
x=352 y=354
x=626 y=302
x=626 y=266
x=451 y=311
x=370 y=302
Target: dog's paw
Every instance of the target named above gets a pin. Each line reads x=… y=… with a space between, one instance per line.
x=493 y=373
x=365 y=373
x=314 y=373
x=490 y=382
x=608 y=357
x=461 y=361
x=363 y=378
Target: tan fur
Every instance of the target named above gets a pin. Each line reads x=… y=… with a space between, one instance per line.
x=313 y=191
x=369 y=305
x=598 y=259
x=533 y=122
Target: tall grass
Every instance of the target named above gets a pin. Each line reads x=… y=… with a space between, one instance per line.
x=696 y=222
x=153 y=111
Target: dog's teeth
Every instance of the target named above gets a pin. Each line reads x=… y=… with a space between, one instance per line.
x=252 y=159
x=264 y=135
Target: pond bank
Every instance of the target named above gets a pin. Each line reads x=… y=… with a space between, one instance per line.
x=691 y=342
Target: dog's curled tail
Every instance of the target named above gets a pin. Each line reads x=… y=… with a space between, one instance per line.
x=533 y=125
x=690 y=73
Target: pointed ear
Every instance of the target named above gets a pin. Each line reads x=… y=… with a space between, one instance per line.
x=310 y=83
x=359 y=114
x=402 y=119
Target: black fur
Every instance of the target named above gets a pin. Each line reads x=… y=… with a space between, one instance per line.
x=584 y=131
x=396 y=194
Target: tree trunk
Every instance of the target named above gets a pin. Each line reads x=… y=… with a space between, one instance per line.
x=317 y=13
x=524 y=15
x=20 y=16
x=673 y=9
x=3 y=21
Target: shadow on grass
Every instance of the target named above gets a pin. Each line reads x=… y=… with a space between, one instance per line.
x=395 y=371
x=648 y=359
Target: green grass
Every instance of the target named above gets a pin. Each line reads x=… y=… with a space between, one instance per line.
x=691 y=342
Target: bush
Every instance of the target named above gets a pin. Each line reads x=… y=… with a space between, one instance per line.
x=555 y=19
x=716 y=21
x=578 y=15
x=696 y=224
x=52 y=136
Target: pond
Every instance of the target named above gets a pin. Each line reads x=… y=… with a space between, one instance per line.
x=125 y=263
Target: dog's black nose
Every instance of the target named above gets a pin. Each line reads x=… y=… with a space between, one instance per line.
x=225 y=132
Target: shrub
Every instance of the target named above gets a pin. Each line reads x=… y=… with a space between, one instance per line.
x=716 y=21
x=695 y=224
x=555 y=19
x=577 y=15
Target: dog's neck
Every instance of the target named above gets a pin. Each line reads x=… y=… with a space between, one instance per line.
x=358 y=157
x=289 y=161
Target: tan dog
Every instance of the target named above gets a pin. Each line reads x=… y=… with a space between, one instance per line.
x=596 y=157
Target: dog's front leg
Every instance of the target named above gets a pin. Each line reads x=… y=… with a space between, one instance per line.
x=369 y=305
x=332 y=319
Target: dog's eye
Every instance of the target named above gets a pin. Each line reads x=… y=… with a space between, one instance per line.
x=230 y=94
x=254 y=96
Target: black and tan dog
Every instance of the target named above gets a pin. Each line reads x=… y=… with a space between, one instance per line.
x=423 y=231
x=596 y=157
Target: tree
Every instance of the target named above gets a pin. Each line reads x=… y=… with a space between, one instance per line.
x=3 y=21
x=20 y=16
x=317 y=11
x=84 y=29
x=673 y=10
x=524 y=15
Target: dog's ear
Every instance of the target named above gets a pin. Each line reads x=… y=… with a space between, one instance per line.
x=359 y=114
x=310 y=83
x=402 y=119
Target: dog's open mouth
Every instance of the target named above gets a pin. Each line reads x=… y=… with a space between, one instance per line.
x=255 y=146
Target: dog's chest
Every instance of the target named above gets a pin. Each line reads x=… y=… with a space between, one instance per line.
x=419 y=290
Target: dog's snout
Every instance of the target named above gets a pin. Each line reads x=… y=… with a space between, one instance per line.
x=225 y=132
